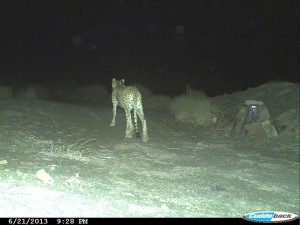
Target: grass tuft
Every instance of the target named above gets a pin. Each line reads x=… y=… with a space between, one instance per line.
x=194 y=107
x=79 y=149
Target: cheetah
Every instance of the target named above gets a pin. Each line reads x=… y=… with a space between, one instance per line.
x=129 y=98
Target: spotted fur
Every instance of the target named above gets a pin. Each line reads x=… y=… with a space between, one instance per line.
x=129 y=98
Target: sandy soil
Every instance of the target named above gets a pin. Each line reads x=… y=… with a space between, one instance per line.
x=182 y=171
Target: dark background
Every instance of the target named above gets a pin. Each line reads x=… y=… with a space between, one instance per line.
x=219 y=46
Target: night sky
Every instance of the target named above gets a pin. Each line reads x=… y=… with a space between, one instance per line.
x=219 y=46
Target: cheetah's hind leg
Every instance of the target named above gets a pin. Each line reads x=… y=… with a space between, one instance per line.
x=137 y=136
x=145 y=137
x=129 y=125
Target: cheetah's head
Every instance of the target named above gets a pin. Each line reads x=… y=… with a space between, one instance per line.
x=115 y=83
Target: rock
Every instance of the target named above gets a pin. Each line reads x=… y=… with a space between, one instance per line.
x=239 y=123
x=254 y=119
x=255 y=129
x=269 y=128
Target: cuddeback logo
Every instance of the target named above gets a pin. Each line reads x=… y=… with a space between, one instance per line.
x=270 y=217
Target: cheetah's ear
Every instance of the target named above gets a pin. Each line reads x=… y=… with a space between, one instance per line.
x=123 y=81
x=113 y=80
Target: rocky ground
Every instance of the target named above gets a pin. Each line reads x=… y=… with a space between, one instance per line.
x=183 y=171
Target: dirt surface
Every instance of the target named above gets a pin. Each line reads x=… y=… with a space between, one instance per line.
x=182 y=171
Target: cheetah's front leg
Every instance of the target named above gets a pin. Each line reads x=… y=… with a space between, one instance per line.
x=113 y=122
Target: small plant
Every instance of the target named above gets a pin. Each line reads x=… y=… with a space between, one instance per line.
x=194 y=107
x=197 y=94
x=79 y=149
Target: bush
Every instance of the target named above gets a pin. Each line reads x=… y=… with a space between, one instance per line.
x=194 y=107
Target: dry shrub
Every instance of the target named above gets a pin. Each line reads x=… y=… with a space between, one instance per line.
x=194 y=107
x=196 y=94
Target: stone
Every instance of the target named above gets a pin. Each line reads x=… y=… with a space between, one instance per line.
x=269 y=128
x=255 y=129
x=238 y=126
x=253 y=119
